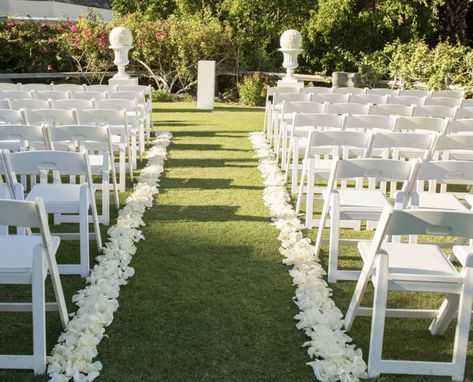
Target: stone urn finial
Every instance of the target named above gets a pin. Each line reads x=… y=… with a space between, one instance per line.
x=121 y=41
x=291 y=46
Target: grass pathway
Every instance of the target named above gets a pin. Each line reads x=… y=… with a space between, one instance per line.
x=211 y=300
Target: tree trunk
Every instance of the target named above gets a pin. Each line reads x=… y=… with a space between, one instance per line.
x=454 y=22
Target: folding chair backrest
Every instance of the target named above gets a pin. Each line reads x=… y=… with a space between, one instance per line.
x=398 y=140
x=52 y=94
x=330 y=97
x=116 y=104
x=382 y=91
x=100 y=88
x=467 y=102
x=11 y=117
x=374 y=99
x=317 y=121
x=9 y=86
x=448 y=171
x=17 y=94
x=69 y=87
x=316 y=90
x=349 y=90
x=69 y=104
x=271 y=91
x=405 y=100
x=81 y=137
x=302 y=107
x=427 y=124
x=448 y=93
x=464 y=112
x=379 y=169
x=50 y=117
x=36 y=87
x=290 y=97
x=42 y=162
x=454 y=142
x=403 y=110
x=101 y=117
x=464 y=125
x=138 y=96
x=443 y=101
x=4 y=104
x=32 y=135
x=347 y=108
x=369 y=122
x=414 y=93
x=89 y=95
x=20 y=213
x=435 y=111
x=146 y=89
x=332 y=138
x=17 y=104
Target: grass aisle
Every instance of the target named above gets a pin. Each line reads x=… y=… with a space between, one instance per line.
x=211 y=300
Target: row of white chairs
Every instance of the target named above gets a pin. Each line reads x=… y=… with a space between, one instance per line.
x=85 y=94
x=74 y=87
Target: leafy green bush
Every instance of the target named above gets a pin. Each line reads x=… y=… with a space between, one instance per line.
x=160 y=95
x=252 y=90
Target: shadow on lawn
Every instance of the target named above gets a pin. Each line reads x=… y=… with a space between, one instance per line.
x=204 y=213
x=211 y=163
x=204 y=184
x=203 y=147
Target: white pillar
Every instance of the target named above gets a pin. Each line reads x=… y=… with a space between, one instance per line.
x=206 y=85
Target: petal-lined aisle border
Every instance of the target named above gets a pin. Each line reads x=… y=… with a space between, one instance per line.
x=334 y=358
x=73 y=355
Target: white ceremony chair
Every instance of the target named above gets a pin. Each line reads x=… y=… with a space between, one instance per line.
x=338 y=144
x=422 y=124
x=270 y=92
x=415 y=268
x=382 y=91
x=59 y=198
x=347 y=108
x=435 y=111
x=301 y=126
x=52 y=94
x=118 y=122
x=49 y=117
x=17 y=104
x=401 y=110
x=16 y=94
x=68 y=88
x=374 y=99
x=443 y=101
x=15 y=137
x=349 y=90
x=460 y=93
x=12 y=117
x=70 y=104
x=28 y=260
x=358 y=203
x=414 y=93
x=89 y=95
x=9 y=86
x=36 y=87
x=330 y=97
x=316 y=90
x=405 y=100
x=97 y=140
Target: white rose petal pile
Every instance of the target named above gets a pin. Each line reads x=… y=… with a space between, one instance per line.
x=334 y=358
x=72 y=358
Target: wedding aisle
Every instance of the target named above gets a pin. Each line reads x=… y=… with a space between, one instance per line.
x=211 y=299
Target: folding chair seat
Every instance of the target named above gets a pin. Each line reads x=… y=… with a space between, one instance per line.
x=396 y=110
x=298 y=140
x=330 y=97
x=18 y=104
x=52 y=94
x=36 y=87
x=68 y=87
x=373 y=99
x=382 y=91
x=347 y=108
x=414 y=93
x=59 y=198
x=23 y=138
x=12 y=117
x=443 y=101
x=97 y=140
x=89 y=95
x=316 y=90
x=349 y=90
x=338 y=144
x=405 y=100
x=71 y=104
x=49 y=117
x=358 y=203
x=28 y=260
x=406 y=267
x=435 y=111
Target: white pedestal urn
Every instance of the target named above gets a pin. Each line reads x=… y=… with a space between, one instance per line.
x=291 y=46
x=121 y=41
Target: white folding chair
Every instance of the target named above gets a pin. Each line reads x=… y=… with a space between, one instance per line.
x=414 y=93
x=405 y=100
x=12 y=117
x=17 y=94
x=97 y=140
x=49 y=117
x=17 y=104
x=382 y=91
x=59 y=198
x=346 y=108
x=52 y=94
x=28 y=260
x=15 y=137
x=316 y=90
x=118 y=122
x=349 y=90
x=402 y=110
x=443 y=101
x=70 y=104
x=415 y=268
x=435 y=111
x=330 y=97
x=68 y=87
x=36 y=87
x=374 y=99
x=339 y=144
x=460 y=93
x=358 y=203
x=301 y=126
x=89 y=95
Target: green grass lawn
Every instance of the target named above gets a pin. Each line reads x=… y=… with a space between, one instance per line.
x=211 y=299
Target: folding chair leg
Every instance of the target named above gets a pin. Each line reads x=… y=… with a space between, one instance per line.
x=39 y=316
x=379 y=316
x=84 y=234
x=309 y=208
x=105 y=202
x=334 y=240
x=295 y=167
x=300 y=193
x=447 y=312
